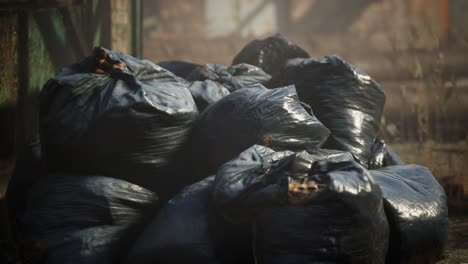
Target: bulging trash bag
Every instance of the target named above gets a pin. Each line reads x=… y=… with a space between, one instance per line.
x=188 y=229
x=257 y=115
x=206 y=93
x=319 y=207
x=115 y=115
x=271 y=55
x=179 y=68
x=85 y=219
x=346 y=100
x=233 y=77
x=416 y=208
x=382 y=155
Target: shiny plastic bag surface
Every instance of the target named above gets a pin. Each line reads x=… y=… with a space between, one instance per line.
x=416 y=208
x=319 y=207
x=346 y=100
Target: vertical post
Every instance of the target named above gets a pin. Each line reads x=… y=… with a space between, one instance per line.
x=136 y=28
x=121 y=25
x=283 y=13
x=104 y=10
x=443 y=14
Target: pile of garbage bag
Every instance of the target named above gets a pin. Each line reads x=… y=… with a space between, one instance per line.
x=277 y=158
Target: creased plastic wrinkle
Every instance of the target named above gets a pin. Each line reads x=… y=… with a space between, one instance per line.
x=343 y=222
x=344 y=99
x=206 y=93
x=233 y=77
x=211 y=82
x=125 y=123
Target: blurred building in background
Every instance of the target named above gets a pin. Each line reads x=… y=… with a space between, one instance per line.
x=243 y=17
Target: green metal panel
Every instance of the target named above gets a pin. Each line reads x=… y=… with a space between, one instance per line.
x=40 y=63
x=8 y=103
x=40 y=69
x=7 y=58
x=34 y=44
x=8 y=94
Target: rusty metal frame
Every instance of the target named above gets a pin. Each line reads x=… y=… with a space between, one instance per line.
x=37 y=4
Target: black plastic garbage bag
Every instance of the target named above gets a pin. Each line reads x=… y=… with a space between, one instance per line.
x=270 y=117
x=344 y=99
x=115 y=115
x=320 y=207
x=392 y=158
x=233 y=77
x=270 y=54
x=416 y=208
x=206 y=93
x=179 y=68
x=382 y=155
x=188 y=229
x=85 y=219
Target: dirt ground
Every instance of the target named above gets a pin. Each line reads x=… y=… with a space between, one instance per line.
x=457 y=250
